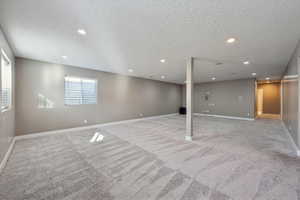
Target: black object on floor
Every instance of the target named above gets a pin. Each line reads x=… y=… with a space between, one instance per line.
x=182 y=110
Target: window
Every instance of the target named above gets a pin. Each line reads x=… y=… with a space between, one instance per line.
x=80 y=91
x=6 y=82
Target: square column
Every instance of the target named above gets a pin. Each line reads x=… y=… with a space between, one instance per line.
x=189 y=99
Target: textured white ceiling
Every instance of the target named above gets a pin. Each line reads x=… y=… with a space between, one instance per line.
x=136 y=34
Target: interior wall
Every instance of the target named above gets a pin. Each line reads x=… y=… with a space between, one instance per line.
x=271 y=97
x=290 y=96
x=119 y=97
x=7 y=118
x=230 y=98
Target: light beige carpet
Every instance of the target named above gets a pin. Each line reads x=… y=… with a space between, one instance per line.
x=228 y=159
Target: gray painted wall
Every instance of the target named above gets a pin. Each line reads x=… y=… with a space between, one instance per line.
x=119 y=97
x=231 y=98
x=290 y=96
x=7 y=119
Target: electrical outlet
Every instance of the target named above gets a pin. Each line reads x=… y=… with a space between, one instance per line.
x=85 y=121
x=141 y=114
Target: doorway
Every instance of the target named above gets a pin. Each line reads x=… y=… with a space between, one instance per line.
x=268 y=99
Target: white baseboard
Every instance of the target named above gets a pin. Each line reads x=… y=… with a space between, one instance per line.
x=296 y=148
x=34 y=135
x=40 y=134
x=7 y=155
x=225 y=117
x=45 y=133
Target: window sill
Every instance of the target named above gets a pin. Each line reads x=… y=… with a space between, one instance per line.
x=74 y=105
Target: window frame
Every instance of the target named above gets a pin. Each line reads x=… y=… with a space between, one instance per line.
x=81 y=78
x=5 y=56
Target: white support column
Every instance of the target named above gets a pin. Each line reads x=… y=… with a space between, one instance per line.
x=189 y=99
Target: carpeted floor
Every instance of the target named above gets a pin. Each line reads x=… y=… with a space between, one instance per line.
x=228 y=159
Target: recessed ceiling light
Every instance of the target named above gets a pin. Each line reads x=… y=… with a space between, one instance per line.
x=162 y=77
x=246 y=62
x=130 y=70
x=268 y=78
x=162 y=60
x=64 y=57
x=213 y=78
x=230 y=40
x=81 y=32
x=253 y=74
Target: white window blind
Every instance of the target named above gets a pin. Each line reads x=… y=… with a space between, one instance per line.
x=80 y=91
x=6 y=82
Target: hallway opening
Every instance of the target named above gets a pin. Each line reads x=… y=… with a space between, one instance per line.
x=268 y=99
